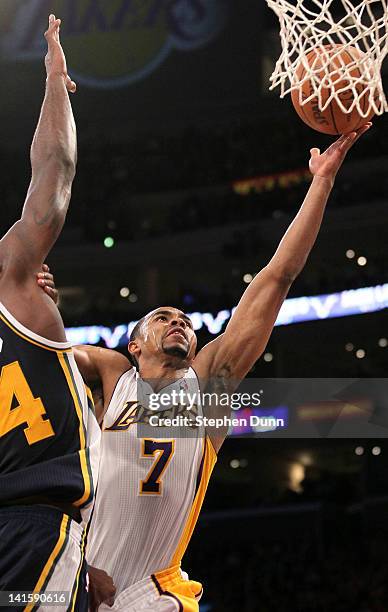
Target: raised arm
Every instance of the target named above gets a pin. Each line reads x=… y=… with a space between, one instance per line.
x=232 y=355
x=53 y=161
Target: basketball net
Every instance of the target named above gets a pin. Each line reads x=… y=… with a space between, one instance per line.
x=308 y=25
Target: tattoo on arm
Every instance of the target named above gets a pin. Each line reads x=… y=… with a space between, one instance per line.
x=219 y=384
x=43 y=218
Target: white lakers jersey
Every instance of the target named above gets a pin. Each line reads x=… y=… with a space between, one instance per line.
x=149 y=494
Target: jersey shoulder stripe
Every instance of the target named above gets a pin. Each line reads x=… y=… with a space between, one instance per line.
x=84 y=452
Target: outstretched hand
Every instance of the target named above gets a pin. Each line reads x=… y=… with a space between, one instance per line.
x=55 y=59
x=327 y=164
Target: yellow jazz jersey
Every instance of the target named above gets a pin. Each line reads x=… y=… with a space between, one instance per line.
x=49 y=437
x=150 y=492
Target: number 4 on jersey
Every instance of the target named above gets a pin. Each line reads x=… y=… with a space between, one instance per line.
x=30 y=410
x=163 y=450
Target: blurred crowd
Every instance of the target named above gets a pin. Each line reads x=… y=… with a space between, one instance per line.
x=110 y=175
x=349 y=573
x=201 y=156
x=323 y=549
x=204 y=158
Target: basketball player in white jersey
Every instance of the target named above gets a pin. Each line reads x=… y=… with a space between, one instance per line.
x=151 y=490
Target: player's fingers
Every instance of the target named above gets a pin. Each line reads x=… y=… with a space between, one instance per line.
x=43 y=282
x=342 y=139
x=354 y=136
x=46 y=276
x=49 y=288
x=71 y=86
x=53 y=293
x=112 y=592
x=315 y=153
x=45 y=268
x=49 y=285
x=57 y=30
x=346 y=141
x=50 y=28
x=95 y=601
x=350 y=139
x=363 y=129
x=337 y=144
x=51 y=33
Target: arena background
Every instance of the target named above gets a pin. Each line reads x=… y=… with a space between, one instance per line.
x=189 y=173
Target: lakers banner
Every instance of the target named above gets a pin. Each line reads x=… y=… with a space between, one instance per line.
x=111 y=43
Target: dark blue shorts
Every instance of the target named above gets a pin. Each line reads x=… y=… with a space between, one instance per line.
x=42 y=550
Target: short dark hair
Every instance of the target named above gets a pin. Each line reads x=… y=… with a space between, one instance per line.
x=135 y=334
x=136 y=330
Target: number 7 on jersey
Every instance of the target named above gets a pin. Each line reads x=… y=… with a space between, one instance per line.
x=162 y=451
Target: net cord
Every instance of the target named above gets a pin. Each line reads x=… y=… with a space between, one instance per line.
x=362 y=30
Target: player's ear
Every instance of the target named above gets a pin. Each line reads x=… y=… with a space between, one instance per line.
x=134 y=350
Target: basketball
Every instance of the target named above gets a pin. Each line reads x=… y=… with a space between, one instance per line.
x=333 y=120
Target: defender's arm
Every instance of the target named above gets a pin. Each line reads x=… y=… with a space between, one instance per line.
x=53 y=161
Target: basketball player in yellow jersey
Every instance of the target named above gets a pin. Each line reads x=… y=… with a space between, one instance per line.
x=150 y=489
x=49 y=437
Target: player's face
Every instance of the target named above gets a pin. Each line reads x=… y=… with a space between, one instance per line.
x=170 y=332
